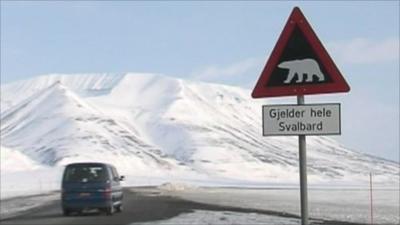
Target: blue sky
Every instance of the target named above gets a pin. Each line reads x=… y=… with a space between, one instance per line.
x=223 y=42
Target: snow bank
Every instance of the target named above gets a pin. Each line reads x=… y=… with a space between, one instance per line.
x=26 y=183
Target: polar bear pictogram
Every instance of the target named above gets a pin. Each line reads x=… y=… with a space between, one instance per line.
x=308 y=67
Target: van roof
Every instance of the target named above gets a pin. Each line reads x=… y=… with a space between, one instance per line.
x=89 y=163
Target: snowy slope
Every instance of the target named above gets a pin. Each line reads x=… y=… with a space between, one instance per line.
x=12 y=161
x=146 y=121
x=55 y=127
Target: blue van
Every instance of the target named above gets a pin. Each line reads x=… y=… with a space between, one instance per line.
x=91 y=186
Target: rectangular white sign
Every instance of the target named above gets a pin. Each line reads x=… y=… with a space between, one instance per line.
x=310 y=119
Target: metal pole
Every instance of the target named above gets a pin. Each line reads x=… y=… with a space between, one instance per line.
x=303 y=172
x=370 y=198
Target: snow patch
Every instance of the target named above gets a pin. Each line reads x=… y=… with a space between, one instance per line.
x=350 y=205
x=176 y=186
x=224 y=218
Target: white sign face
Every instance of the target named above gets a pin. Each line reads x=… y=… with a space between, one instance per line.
x=311 y=119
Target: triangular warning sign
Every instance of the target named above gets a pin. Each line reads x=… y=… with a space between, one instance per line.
x=299 y=64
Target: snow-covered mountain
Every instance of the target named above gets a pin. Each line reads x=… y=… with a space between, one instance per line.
x=55 y=126
x=151 y=123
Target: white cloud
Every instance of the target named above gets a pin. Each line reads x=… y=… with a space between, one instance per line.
x=245 y=73
x=363 y=50
x=370 y=123
x=234 y=71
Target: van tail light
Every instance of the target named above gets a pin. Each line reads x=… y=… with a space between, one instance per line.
x=106 y=193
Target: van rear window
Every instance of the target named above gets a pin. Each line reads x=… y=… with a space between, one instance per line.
x=85 y=173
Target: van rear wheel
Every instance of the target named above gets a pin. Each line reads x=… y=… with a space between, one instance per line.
x=110 y=211
x=119 y=208
x=66 y=212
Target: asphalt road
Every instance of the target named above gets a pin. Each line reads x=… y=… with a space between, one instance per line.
x=140 y=205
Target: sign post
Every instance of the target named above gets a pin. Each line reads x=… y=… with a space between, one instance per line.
x=303 y=172
x=299 y=65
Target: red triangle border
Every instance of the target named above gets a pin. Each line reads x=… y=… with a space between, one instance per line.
x=339 y=84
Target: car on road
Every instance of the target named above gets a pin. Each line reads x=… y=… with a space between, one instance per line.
x=91 y=186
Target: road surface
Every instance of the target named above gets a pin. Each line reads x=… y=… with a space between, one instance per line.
x=140 y=205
